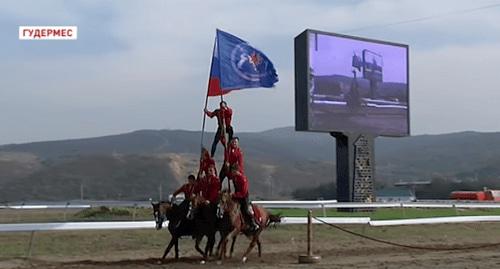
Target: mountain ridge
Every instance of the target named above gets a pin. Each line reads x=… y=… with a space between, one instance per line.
x=277 y=161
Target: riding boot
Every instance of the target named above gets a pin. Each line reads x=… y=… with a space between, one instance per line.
x=251 y=219
x=253 y=224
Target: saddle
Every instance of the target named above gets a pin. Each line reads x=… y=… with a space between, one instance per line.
x=257 y=216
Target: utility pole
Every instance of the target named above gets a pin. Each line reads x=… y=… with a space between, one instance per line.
x=271 y=183
x=160 y=191
x=81 y=191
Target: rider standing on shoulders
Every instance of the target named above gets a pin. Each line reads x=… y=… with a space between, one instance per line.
x=205 y=162
x=224 y=116
x=232 y=156
x=211 y=187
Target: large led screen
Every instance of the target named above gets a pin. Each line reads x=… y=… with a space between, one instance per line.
x=352 y=85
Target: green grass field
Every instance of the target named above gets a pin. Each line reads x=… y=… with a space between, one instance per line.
x=122 y=214
x=61 y=215
x=392 y=213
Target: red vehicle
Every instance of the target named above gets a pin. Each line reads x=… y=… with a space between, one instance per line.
x=486 y=195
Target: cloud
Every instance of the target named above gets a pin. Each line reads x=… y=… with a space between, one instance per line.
x=454 y=89
x=145 y=65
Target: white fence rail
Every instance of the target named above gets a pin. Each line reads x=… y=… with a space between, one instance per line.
x=436 y=220
x=126 y=225
x=45 y=207
x=68 y=226
x=334 y=204
x=319 y=204
x=316 y=204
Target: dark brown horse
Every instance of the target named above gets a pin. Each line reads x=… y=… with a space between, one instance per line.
x=204 y=215
x=222 y=220
x=178 y=224
x=232 y=208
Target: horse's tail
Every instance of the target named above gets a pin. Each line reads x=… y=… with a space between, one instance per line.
x=273 y=219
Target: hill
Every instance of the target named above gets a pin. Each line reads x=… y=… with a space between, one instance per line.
x=278 y=161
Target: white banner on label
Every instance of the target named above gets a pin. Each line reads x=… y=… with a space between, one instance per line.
x=48 y=32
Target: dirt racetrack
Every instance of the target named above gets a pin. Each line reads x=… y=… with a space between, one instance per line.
x=281 y=247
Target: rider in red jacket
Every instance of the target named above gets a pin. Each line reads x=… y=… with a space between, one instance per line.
x=205 y=162
x=188 y=189
x=242 y=197
x=232 y=156
x=240 y=185
x=224 y=116
x=211 y=186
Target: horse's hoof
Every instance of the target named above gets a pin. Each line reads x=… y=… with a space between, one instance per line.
x=203 y=262
x=244 y=259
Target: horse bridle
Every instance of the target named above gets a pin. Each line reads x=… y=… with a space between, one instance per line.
x=190 y=214
x=160 y=218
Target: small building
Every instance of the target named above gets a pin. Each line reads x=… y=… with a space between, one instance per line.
x=395 y=195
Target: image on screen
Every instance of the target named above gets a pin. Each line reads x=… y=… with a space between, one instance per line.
x=357 y=85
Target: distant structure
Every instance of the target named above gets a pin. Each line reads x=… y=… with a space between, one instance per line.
x=485 y=195
x=412 y=185
x=395 y=194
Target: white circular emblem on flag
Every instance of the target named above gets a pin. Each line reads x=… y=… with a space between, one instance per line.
x=248 y=63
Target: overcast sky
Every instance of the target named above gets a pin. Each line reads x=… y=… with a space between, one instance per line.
x=144 y=64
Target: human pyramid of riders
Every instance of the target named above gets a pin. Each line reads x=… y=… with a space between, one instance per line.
x=207 y=184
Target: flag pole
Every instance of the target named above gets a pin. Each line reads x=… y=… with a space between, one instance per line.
x=204 y=119
x=222 y=121
x=206 y=97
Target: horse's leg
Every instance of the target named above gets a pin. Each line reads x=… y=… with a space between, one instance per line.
x=232 y=247
x=211 y=249
x=170 y=244
x=223 y=247
x=255 y=239
x=210 y=245
x=176 y=248
x=259 y=247
x=233 y=236
x=197 y=245
x=220 y=243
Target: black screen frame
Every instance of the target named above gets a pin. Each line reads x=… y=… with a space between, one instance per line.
x=302 y=73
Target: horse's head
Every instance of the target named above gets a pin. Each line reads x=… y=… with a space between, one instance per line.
x=226 y=202
x=195 y=203
x=160 y=212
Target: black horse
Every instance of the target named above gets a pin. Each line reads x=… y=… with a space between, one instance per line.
x=204 y=215
x=178 y=224
x=184 y=220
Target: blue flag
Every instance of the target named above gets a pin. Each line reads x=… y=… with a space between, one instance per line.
x=237 y=65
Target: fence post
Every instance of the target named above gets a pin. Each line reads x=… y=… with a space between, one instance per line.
x=30 y=248
x=134 y=212
x=309 y=258
x=65 y=208
x=403 y=209
x=456 y=209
